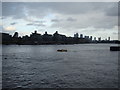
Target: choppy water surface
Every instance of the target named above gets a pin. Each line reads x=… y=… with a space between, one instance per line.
x=41 y=66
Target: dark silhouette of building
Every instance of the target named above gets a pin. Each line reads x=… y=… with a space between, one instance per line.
x=81 y=35
x=38 y=39
x=94 y=38
x=59 y=38
x=15 y=35
x=86 y=37
x=108 y=38
x=15 y=38
x=47 y=38
x=6 y=38
x=90 y=38
x=99 y=39
x=76 y=35
x=35 y=38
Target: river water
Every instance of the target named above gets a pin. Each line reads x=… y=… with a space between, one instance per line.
x=41 y=66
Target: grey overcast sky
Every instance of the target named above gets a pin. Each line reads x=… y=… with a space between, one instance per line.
x=97 y=19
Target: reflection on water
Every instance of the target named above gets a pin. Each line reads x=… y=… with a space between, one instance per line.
x=41 y=66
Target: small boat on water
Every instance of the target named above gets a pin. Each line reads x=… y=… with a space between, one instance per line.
x=115 y=48
x=62 y=50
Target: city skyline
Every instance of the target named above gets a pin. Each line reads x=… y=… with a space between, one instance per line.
x=47 y=39
x=98 y=19
x=78 y=35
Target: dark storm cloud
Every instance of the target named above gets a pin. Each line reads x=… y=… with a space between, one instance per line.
x=29 y=24
x=80 y=14
x=0 y=8
x=55 y=20
x=113 y=10
x=71 y=19
x=40 y=25
x=118 y=8
x=36 y=24
x=39 y=21
x=20 y=10
x=13 y=23
x=15 y=10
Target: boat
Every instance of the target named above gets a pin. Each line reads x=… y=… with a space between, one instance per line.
x=62 y=50
x=115 y=48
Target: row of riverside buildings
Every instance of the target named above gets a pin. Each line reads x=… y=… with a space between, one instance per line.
x=38 y=39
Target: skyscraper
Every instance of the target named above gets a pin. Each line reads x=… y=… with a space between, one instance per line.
x=15 y=35
x=108 y=38
x=76 y=35
x=94 y=38
x=81 y=35
x=91 y=38
x=99 y=39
